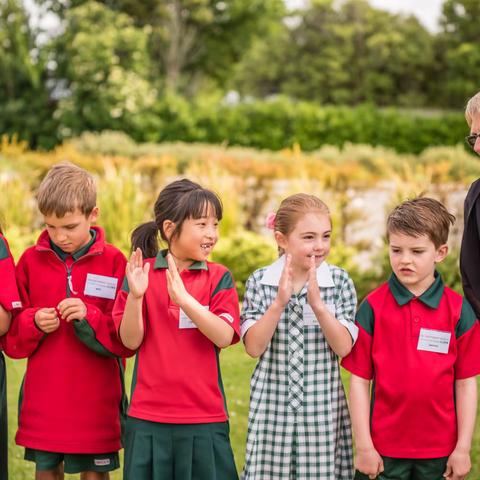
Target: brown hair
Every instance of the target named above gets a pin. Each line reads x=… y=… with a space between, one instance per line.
x=421 y=216
x=65 y=188
x=292 y=208
x=472 y=108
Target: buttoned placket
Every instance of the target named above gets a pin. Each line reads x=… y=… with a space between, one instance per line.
x=295 y=354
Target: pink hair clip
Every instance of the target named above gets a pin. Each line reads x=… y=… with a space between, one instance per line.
x=270 y=220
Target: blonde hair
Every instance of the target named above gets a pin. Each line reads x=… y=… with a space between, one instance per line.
x=421 y=216
x=473 y=108
x=65 y=188
x=293 y=208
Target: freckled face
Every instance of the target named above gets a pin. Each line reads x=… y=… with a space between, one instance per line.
x=310 y=237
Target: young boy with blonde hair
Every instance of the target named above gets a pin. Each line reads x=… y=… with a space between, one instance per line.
x=73 y=387
x=418 y=349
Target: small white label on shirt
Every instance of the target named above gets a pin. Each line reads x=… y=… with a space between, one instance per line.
x=101 y=286
x=185 y=322
x=433 y=340
x=16 y=304
x=309 y=317
x=100 y=462
x=227 y=317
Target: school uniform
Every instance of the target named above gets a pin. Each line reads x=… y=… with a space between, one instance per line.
x=298 y=424
x=9 y=300
x=177 y=419
x=73 y=387
x=413 y=349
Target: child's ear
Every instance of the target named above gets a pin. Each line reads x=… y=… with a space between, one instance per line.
x=92 y=218
x=441 y=253
x=168 y=228
x=280 y=239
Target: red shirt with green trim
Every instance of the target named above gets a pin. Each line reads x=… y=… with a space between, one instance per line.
x=177 y=374
x=72 y=394
x=9 y=296
x=399 y=347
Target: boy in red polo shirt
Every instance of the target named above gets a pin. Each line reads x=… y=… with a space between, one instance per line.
x=72 y=391
x=419 y=345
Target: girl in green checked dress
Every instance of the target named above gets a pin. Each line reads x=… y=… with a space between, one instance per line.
x=298 y=318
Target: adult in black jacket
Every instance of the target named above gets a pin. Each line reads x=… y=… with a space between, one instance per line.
x=470 y=250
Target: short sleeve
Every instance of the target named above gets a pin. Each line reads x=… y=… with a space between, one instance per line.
x=253 y=307
x=224 y=303
x=346 y=305
x=467 y=334
x=9 y=296
x=359 y=360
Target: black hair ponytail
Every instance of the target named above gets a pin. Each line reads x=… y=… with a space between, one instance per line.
x=145 y=237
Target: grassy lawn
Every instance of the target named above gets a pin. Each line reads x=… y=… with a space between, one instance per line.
x=236 y=368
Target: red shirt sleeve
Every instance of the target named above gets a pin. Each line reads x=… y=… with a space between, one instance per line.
x=9 y=296
x=224 y=304
x=468 y=353
x=359 y=360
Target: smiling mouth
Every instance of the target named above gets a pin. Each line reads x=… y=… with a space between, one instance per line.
x=206 y=246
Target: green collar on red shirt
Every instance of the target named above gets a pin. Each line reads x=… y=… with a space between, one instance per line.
x=79 y=253
x=161 y=262
x=430 y=297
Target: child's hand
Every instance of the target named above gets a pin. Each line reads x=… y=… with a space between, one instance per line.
x=313 y=292
x=72 y=309
x=47 y=320
x=458 y=465
x=137 y=274
x=175 y=286
x=5 y=318
x=369 y=462
x=285 y=285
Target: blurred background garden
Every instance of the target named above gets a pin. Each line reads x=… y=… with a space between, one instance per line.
x=256 y=99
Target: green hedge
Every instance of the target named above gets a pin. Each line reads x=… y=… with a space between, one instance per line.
x=280 y=123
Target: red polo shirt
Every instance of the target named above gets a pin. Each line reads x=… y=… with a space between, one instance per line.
x=413 y=393
x=177 y=375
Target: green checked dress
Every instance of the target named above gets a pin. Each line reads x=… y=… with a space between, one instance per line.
x=299 y=425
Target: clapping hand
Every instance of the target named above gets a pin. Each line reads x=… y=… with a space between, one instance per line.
x=137 y=274
x=175 y=286
x=285 y=285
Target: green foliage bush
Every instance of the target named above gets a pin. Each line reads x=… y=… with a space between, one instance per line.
x=242 y=253
x=281 y=123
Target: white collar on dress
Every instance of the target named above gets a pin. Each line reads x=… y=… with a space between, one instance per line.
x=273 y=272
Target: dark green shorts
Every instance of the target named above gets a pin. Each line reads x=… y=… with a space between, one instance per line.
x=73 y=462
x=410 y=469
x=3 y=421
x=159 y=451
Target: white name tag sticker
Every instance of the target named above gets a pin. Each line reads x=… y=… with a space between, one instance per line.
x=101 y=286
x=433 y=340
x=309 y=317
x=185 y=322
